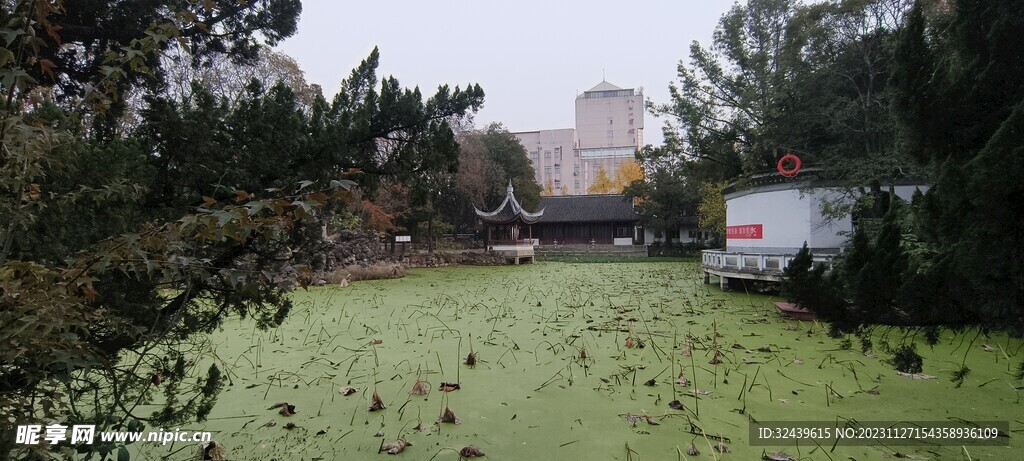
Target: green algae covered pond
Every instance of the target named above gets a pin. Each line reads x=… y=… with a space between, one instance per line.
x=581 y=362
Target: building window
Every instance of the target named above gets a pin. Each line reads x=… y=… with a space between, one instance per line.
x=576 y=184
x=547 y=170
x=547 y=154
x=558 y=169
x=576 y=170
x=611 y=134
x=611 y=121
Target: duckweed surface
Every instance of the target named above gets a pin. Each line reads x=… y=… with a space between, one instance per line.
x=579 y=362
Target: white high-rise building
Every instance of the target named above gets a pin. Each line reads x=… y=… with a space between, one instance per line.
x=609 y=116
x=609 y=129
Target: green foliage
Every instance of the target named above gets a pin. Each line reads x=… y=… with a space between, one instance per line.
x=875 y=286
x=208 y=394
x=435 y=230
x=730 y=94
x=961 y=111
x=123 y=243
x=913 y=101
x=392 y=131
x=811 y=288
x=712 y=208
x=667 y=198
x=780 y=77
x=511 y=162
x=865 y=340
x=959 y=375
x=101 y=28
x=488 y=160
x=906 y=359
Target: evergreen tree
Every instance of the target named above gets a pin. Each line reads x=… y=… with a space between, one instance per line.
x=961 y=115
x=912 y=72
x=877 y=283
x=796 y=276
x=812 y=288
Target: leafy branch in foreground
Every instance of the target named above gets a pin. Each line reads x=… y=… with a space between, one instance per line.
x=99 y=339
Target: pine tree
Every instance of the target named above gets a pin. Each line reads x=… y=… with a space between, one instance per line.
x=812 y=288
x=877 y=284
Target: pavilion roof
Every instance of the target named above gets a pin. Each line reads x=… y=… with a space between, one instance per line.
x=510 y=211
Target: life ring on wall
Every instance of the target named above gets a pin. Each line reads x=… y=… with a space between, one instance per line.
x=792 y=171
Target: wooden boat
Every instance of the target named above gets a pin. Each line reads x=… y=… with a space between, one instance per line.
x=793 y=311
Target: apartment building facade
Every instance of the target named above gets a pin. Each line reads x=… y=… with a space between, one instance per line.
x=609 y=129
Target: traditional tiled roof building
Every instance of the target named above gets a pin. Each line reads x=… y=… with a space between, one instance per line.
x=587 y=219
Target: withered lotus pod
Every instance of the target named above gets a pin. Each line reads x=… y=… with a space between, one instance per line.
x=394 y=448
x=449 y=416
x=420 y=387
x=377 y=403
x=470 y=452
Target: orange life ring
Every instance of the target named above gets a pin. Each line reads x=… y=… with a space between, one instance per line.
x=790 y=172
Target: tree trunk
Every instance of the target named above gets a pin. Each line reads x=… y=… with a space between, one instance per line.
x=430 y=235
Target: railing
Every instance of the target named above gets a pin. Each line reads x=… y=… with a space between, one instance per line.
x=518 y=242
x=755 y=262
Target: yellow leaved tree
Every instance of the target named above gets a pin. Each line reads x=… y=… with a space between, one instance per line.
x=549 y=189
x=602 y=184
x=712 y=207
x=628 y=172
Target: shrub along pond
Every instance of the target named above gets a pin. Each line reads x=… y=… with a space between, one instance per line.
x=581 y=361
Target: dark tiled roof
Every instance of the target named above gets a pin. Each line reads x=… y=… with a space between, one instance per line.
x=509 y=211
x=587 y=208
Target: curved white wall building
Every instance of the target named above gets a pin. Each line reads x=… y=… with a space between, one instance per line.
x=779 y=218
x=767 y=224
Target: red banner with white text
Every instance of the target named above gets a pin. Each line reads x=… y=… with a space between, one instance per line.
x=746 y=231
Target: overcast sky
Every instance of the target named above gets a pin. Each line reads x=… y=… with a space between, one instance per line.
x=531 y=57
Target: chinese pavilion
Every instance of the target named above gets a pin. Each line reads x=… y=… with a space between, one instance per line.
x=510 y=219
